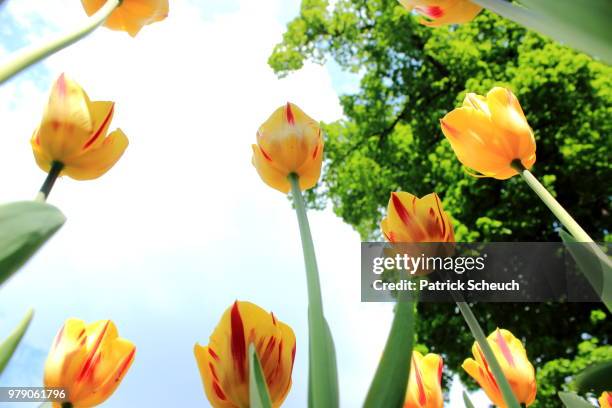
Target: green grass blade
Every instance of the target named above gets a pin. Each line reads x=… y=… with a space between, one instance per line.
x=9 y=345
x=467 y=401
x=388 y=389
x=596 y=378
x=259 y=395
x=572 y=400
x=24 y=228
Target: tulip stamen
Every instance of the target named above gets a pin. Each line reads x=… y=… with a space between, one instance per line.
x=54 y=173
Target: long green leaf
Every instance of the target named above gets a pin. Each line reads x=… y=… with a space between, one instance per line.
x=467 y=401
x=596 y=378
x=259 y=395
x=388 y=389
x=583 y=28
x=594 y=264
x=572 y=400
x=9 y=345
x=24 y=228
x=480 y=337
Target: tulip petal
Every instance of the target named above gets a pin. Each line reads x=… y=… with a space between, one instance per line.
x=95 y=162
x=67 y=123
x=268 y=173
x=131 y=15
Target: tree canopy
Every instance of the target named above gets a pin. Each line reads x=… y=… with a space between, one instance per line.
x=390 y=140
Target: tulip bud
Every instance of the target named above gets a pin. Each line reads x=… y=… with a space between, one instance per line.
x=88 y=361
x=73 y=132
x=605 y=401
x=131 y=15
x=412 y=219
x=489 y=134
x=425 y=383
x=443 y=12
x=289 y=142
x=512 y=358
x=224 y=364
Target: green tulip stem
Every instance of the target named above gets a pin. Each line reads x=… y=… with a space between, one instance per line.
x=480 y=337
x=313 y=283
x=322 y=356
x=30 y=55
x=45 y=189
x=562 y=215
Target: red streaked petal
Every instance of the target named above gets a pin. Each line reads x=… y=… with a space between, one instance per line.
x=213 y=372
x=96 y=135
x=213 y=354
x=125 y=364
x=61 y=85
x=89 y=362
x=420 y=386
x=58 y=337
x=238 y=345
x=454 y=132
x=431 y=11
x=400 y=209
x=501 y=342
x=290 y=116
x=266 y=155
x=218 y=391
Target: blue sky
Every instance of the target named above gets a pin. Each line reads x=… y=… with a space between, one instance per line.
x=182 y=226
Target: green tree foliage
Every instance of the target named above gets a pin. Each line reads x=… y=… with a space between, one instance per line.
x=391 y=140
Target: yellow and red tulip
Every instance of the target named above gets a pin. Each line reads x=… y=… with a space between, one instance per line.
x=289 y=142
x=88 y=361
x=224 y=365
x=413 y=219
x=512 y=358
x=443 y=12
x=425 y=383
x=605 y=401
x=489 y=133
x=131 y=15
x=73 y=132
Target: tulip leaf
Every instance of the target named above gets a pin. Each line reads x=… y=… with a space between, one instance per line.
x=323 y=342
x=388 y=389
x=594 y=264
x=24 y=227
x=596 y=378
x=9 y=345
x=572 y=400
x=467 y=401
x=583 y=28
x=258 y=390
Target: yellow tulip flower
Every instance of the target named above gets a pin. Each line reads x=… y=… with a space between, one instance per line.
x=88 y=361
x=131 y=15
x=73 y=133
x=224 y=365
x=425 y=383
x=289 y=142
x=512 y=358
x=443 y=12
x=605 y=401
x=412 y=219
x=489 y=134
